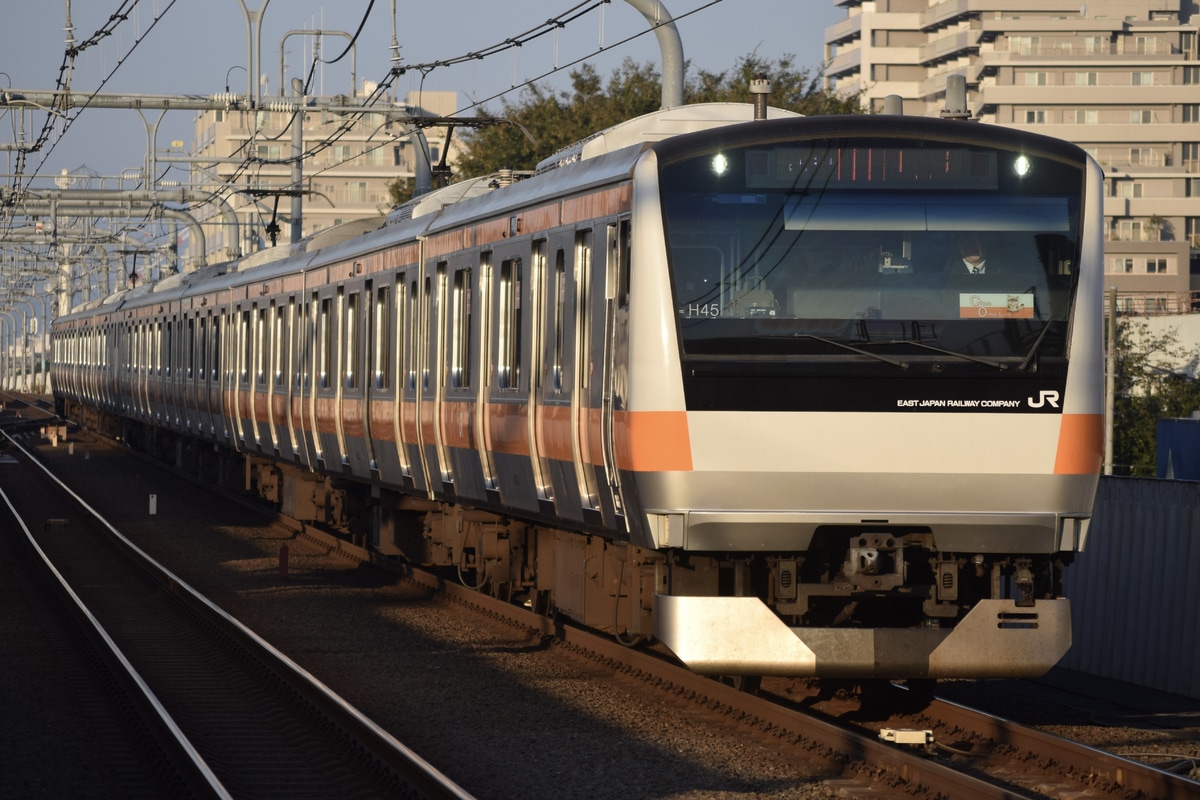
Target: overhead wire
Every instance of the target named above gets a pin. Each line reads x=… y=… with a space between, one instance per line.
x=552 y=25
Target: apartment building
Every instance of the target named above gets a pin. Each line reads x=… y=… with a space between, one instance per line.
x=1120 y=78
x=345 y=175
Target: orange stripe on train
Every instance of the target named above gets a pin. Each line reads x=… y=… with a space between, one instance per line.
x=652 y=441
x=1080 y=444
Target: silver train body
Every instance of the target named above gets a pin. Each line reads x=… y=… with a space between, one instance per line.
x=714 y=381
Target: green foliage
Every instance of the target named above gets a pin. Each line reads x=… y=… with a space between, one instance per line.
x=1146 y=388
x=541 y=122
x=400 y=190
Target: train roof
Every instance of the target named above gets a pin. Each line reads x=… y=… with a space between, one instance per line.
x=608 y=155
x=654 y=127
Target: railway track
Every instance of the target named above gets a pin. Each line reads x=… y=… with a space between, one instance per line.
x=962 y=752
x=969 y=754
x=233 y=716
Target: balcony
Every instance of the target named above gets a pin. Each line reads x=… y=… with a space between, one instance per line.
x=848 y=30
x=845 y=64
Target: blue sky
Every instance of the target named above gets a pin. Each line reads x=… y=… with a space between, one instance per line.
x=196 y=46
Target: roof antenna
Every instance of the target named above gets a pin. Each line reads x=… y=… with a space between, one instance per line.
x=956 y=98
x=760 y=88
x=893 y=104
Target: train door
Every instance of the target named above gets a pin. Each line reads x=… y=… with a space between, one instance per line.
x=433 y=444
x=508 y=425
x=139 y=362
x=204 y=373
x=559 y=371
x=243 y=400
x=460 y=413
x=160 y=383
x=583 y=399
x=616 y=357
x=381 y=408
x=174 y=370
x=416 y=375
x=271 y=422
x=187 y=368
x=144 y=368
x=393 y=457
x=289 y=333
x=353 y=431
x=228 y=363
x=325 y=378
x=260 y=389
x=484 y=379
x=539 y=279
x=409 y=335
x=304 y=400
x=602 y=327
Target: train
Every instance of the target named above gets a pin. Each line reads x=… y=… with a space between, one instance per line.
x=710 y=378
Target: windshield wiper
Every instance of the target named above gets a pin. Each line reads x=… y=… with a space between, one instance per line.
x=985 y=361
x=844 y=346
x=1037 y=343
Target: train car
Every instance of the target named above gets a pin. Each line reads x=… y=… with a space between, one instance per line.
x=741 y=386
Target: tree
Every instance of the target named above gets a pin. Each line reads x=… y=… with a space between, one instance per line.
x=400 y=190
x=1148 y=385
x=541 y=121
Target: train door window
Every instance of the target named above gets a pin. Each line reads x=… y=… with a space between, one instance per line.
x=278 y=326
x=380 y=346
x=460 y=330
x=583 y=280
x=411 y=340
x=191 y=347
x=168 y=353
x=202 y=346
x=558 y=287
x=508 y=366
x=618 y=263
x=245 y=346
x=305 y=327
x=352 y=356
x=428 y=307
x=263 y=347
x=325 y=338
x=214 y=353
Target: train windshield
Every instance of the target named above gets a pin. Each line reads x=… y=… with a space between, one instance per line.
x=874 y=253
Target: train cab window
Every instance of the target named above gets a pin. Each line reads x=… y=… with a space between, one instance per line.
x=508 y=340
x=853 y=253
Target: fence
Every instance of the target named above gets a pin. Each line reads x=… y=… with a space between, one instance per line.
x=1135 y=590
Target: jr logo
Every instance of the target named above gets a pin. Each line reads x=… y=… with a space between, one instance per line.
x=1045 y=396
